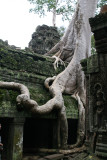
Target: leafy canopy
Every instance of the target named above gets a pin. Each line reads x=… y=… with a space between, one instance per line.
x=62 y=7
x=101 y=3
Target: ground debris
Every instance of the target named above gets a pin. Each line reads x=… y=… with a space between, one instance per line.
x=72 y=154
x=75 y=150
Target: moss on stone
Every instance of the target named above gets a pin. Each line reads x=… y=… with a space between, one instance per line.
x=40 y=94
x=8 y=95
x=27 y=62
x=8 y=105
x=71 y=107
x=90 y=64
x=31 y=70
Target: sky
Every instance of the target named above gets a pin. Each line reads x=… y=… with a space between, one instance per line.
x=17 y=24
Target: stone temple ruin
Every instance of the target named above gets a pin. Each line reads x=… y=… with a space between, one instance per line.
x=95 y=68
x=43 y=39
x=24 y=134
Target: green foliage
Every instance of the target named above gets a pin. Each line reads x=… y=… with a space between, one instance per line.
x=100 y=4
x=61 y=30
x=8 y=95
x=62 y=7
x=93 y=50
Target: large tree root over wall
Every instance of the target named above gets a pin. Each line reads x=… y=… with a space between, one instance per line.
x=73 y=47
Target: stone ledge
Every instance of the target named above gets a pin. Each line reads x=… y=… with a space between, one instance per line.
x=22 y=61
x=98 y=22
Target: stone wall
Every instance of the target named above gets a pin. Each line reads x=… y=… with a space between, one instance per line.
x=31 y=70
x=95 y=68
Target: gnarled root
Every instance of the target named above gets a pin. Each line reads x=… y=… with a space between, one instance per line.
x=72 y=151
x=63 y=127
x=56 y=102
x=57 y=60
x=48 y=80
x=81 y=122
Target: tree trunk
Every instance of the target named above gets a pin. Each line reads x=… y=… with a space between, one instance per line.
x=54 y=18
x=74 y=46
x=54 y=14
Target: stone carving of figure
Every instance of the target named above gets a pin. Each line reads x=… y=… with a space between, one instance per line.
x=99 y=105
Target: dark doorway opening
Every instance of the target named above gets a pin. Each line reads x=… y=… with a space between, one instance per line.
x=4 y=133
x=72 y=131
x=38 y=133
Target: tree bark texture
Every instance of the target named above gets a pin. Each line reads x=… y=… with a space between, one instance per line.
x=54 y=18
x=54 y=14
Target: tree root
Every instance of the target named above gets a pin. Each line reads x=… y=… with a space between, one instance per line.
x=81 y=122
x=57 y=60
x=63 y=151
x=48 y=80
x=75 y=150
x=24 y=97
x=56 y=102
x=76 y=38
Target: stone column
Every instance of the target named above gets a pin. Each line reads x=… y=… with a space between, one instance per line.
x=98 y=87
x=15 y=139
